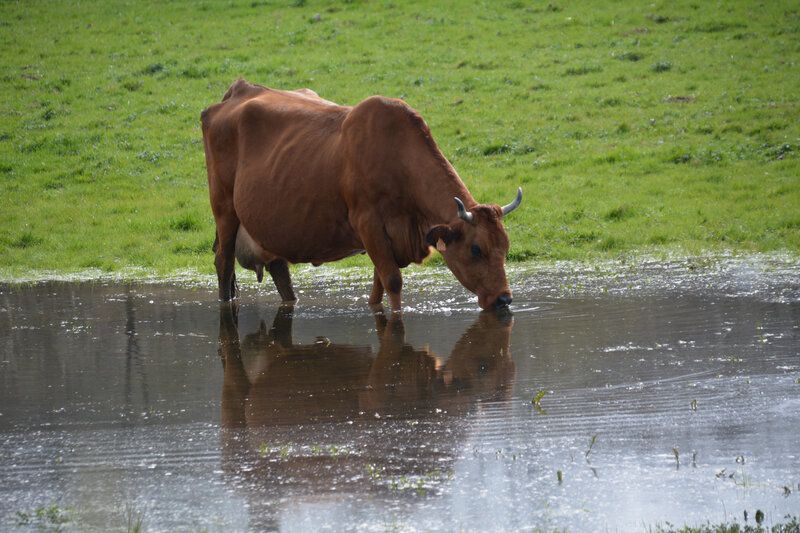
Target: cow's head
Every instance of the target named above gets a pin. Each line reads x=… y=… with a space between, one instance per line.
x=474 y=248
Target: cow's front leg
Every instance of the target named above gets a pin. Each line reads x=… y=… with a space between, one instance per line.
x=388 y=278
x=387 y=272
x=376 y=296
x=279 y=270
x=393 y=283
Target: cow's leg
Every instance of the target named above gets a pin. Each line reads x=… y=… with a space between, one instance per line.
x=279 y=270
x=376 y=296
x=392 y=281
x=234 y=286
x=226 y=275
x=386 y=270
x=224 y=257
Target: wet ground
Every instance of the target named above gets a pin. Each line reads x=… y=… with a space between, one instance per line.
x=615 y=398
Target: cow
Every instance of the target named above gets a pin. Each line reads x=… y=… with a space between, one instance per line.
x=294 y=178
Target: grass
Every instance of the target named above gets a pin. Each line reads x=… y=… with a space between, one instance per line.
x=790 y=524
x=667 y=126
x=51 y=518
x=134 y=519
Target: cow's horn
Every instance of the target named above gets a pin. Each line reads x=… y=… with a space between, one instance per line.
x=515 y=204
x=462 y=211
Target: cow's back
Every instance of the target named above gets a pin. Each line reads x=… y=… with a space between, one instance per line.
x=251 y=119
x=276 y=157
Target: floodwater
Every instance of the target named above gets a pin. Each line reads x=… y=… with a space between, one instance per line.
x=666 y=394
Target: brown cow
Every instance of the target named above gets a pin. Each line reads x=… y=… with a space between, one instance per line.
x=294 y=178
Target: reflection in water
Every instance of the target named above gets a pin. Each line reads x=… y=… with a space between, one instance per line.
x=110 y=401
x=133 y=357
x=311 y=419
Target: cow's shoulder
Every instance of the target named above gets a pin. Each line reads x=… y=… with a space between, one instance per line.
x=389 y=130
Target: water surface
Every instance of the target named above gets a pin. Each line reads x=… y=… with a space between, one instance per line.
x=670 y=394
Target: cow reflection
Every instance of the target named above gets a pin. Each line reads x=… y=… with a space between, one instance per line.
x=304 y=420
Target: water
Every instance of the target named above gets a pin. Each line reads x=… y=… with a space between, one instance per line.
x=671 y=394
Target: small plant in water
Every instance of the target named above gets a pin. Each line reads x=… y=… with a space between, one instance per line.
x=46 y=517
x=724 y=473
x=591 y=444
x=285 y=449
x=422 y=483
x=135 y=519
x=266 y=449
x=538 y=397
x=374 y=472
x=335 y=451
x=744 y=480
x=535 y=401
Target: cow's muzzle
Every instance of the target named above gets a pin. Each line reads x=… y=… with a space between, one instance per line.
x=503 y=301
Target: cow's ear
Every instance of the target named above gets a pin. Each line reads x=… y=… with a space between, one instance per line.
x=440 y=233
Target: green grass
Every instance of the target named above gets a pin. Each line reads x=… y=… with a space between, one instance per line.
x=631 y=127
x=50 y=518
x=789 y=524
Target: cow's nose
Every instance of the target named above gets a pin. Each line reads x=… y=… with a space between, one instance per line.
x=503 y=301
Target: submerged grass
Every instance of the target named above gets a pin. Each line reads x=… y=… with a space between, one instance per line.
x=630 y=126
x=54 y=517
x=790 y=524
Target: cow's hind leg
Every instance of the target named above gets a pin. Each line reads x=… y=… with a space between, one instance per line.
x=224 y=260
x=234 y=285
x=279 y=270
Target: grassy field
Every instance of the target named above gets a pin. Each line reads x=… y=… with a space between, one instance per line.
x=632 y=127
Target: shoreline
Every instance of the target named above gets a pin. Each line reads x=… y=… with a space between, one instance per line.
x=777 y=273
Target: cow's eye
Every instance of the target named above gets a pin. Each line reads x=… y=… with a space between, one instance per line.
x=476 y=251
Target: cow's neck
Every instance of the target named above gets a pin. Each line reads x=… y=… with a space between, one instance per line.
x=438 y=197
x=434 y=181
